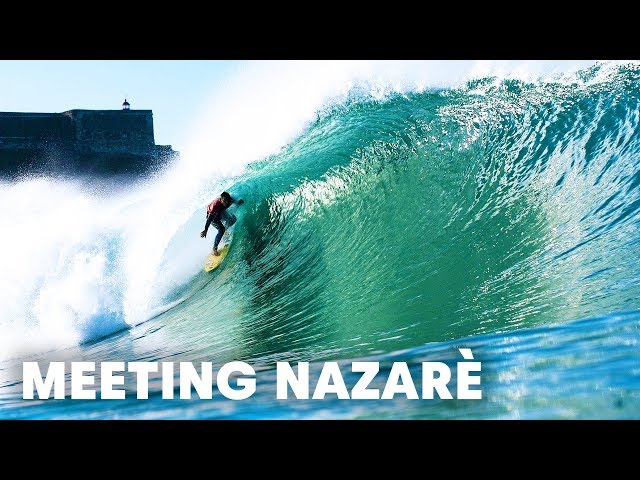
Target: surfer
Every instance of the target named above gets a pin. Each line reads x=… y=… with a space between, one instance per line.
x=216 y=212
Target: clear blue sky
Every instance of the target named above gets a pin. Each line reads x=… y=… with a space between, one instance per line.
x=174 y=89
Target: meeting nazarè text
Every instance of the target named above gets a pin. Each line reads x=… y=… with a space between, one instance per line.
x=238 y=381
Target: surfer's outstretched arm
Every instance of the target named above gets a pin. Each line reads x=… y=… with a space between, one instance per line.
x=206 y=226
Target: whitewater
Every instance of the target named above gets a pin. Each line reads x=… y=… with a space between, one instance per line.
x=395 y=211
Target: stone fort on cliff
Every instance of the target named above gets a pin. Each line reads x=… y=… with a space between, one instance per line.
x=99 y=142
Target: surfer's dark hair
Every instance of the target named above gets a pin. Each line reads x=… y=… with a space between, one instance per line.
x=225 y=195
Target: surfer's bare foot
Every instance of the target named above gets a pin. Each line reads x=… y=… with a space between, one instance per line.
x=216 y=252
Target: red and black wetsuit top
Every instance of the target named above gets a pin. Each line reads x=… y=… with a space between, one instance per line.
x=215 y=208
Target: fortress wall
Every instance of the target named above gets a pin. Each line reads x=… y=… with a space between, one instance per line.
x=90 y=141
x=112 y=130
x=32 y=127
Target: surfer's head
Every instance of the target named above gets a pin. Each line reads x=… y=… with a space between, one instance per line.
x=226 y=199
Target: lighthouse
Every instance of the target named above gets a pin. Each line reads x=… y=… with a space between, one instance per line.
x=126 y=105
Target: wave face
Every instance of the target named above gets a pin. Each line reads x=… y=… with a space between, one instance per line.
x=390 y=225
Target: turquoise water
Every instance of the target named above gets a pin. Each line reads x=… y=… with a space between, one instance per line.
x=502 y=216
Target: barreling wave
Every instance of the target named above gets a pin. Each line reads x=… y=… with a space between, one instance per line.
x=436 y=215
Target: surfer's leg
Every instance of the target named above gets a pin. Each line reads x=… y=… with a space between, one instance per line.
x=218 y=224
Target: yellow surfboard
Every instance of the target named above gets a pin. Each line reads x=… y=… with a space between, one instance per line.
x=212 y=262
